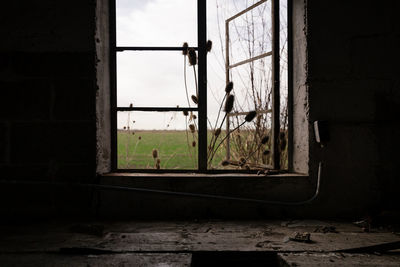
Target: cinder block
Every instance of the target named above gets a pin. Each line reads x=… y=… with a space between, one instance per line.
x=3 y=142
x=40 y=143
x=74 y=99
x=75 y=173
x=55 y=64
x=25 y=172
x=25 y=99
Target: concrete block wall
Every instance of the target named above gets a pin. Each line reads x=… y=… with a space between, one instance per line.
x=47 y=103
x=354 y=83
x=48 y=89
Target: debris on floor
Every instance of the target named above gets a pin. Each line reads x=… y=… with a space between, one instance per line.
x=299 y=237
x=325 y=229
x=174 y=243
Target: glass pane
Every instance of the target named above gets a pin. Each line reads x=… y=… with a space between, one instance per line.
x=156 y=22
x=170 y=134
x=154 y=79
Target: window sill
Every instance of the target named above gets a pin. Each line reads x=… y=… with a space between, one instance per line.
x=280 y=187
x=201 y=175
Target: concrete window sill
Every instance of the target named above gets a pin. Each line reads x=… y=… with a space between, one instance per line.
x=201 y=175
x=287 y=187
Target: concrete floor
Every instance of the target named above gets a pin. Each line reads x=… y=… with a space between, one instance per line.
x=197 y=243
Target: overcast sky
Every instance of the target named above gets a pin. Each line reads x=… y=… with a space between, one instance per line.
x=155 y=78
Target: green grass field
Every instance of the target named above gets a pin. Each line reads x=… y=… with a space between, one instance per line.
x=135 y=150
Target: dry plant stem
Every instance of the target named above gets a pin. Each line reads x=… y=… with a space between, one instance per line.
x=213 y=141
x=184 y=78
x=226 y=136
x=172 y=156
x=128 y=141
x=254 y=166
x=216 y=121
x=195 y=80
x=137 y=142
x=209 y=123
x=187 y=140
x=220 y=108
x=252 y=153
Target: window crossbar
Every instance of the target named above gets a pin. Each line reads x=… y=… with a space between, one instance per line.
x=151 y=48
x=159 y=109
x=250 y=60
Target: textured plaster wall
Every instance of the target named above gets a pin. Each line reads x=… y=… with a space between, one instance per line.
x=103 y=95
x=301 y=124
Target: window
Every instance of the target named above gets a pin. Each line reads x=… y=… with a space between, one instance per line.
x=169 y=118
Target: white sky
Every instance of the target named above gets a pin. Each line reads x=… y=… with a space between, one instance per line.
x=155 y=78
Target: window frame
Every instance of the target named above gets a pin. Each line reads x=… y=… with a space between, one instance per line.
x=202 y=85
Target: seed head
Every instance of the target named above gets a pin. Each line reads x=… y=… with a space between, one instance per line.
x=194 y=99
x=225 y=163
x=192 y=57
x=192 y=128
x=158 y=166
x=242 y=161
x=217 y=132
x=185 y=49
x=193 y=143
x=229 y=103
x=155 y=153
x=209 y=45
x=264 y=140
x=283 y=144
x=250 y=116
x=140 y=138
x=124 y=127
x=158 y=161
x=130 y=105
x=194 y=117
x=229 y=87
x=185 y=113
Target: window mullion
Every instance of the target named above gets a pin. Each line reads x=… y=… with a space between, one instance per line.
x=202 y=72
x=276 y=85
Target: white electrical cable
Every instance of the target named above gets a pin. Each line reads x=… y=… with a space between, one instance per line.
x=166 y=192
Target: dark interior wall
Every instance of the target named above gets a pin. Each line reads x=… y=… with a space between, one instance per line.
x=47 y=102
x=47 y=106
x=353 y=80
